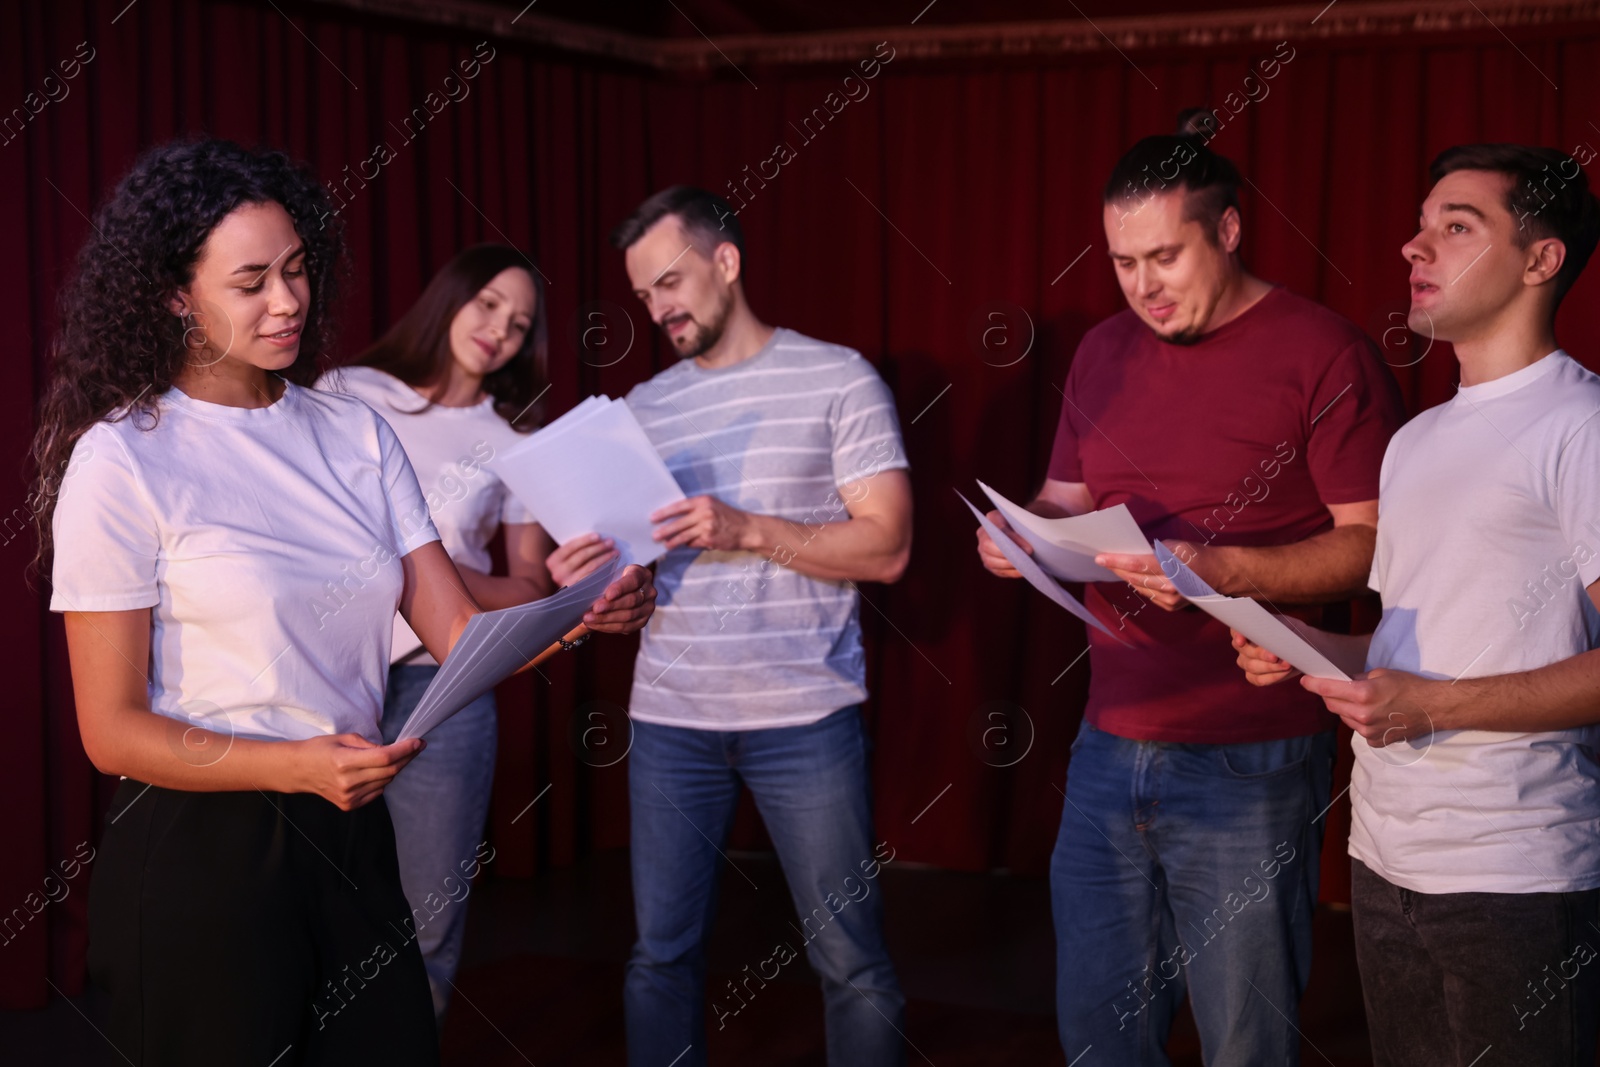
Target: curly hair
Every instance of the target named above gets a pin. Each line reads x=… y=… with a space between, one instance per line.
x=119 y=347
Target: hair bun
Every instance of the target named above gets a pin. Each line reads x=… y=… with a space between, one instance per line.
x=1197 y=122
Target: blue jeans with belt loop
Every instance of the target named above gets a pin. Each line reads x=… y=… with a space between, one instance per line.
x=1187 y=868
x=810 y=784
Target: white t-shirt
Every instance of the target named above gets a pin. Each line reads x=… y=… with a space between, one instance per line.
x=267 y=541
x=1488 y=534
x=452 y=450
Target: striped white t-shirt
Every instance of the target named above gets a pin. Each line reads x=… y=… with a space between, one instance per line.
x=738 y=640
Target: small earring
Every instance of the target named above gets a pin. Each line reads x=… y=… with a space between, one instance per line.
x=199 y=342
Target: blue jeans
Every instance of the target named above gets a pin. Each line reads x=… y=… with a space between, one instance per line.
x=1187 y=867
x=810 y=784
x=438 y=805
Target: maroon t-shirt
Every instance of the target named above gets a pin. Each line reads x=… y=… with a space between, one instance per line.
x=1243 y=438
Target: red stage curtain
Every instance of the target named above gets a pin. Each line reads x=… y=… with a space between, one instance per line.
x=899 y=225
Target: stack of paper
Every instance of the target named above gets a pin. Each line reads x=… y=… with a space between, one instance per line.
x=593 y=470
x=495 y=644
x=1297 y=644
x=1067 y=547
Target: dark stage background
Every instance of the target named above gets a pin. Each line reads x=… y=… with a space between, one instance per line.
x=956 y=190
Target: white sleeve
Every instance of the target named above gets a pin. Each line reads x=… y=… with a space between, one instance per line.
x=408 y=508
x=1577 y=496
x=513 y=512
x=107 y=540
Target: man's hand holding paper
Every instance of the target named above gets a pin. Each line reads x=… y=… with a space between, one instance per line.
x=1093 y=545
x=989 y=552
x=1065 y=545
x=1260 y=666
x=1144 y=572
x=1383 y=706
x=702 y=522
x=1317 y=653
x=1035 y=575
x=592 y=471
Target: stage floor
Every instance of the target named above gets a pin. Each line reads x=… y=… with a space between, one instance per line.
x=541 y=982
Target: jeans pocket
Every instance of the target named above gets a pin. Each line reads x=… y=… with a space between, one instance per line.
x=1264 y=759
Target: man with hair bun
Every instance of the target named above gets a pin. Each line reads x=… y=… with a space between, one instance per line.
x=1244 y=427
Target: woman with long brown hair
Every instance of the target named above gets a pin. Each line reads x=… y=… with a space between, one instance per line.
x=459 y=378
x=196 y=505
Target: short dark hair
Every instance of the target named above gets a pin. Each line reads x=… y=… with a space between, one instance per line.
x=1162 y=162
x=1549 y=197
x=708 y=219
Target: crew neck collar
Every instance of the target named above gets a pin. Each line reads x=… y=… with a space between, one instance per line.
x=207 y=409
x=1238 y=322
x=1517 y=379
x=405 y=392
x=760 y=353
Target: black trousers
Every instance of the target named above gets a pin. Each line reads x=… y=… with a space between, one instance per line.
x=1477 y=979
x=255 y=928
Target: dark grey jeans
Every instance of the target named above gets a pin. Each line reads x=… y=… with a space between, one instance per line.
x=1477 y=979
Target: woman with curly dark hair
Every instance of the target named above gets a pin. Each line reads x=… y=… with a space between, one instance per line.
x=458 y=378
x=229 y=549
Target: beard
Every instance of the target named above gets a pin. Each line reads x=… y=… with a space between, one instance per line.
x=1189 y=336
x=706 y=335
x=1184 y=336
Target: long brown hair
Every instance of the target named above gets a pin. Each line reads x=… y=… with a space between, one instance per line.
x=416 y=349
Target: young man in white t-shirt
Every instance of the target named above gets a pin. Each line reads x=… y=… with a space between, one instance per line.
x=1476 y=788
